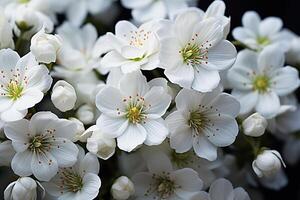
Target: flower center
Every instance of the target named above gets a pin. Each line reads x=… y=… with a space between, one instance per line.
x=138 y=58
x=14 y=90
x=134 y=114
x=181 y=159
x=24 y=1
x=264 y=41
x=71 y=181
x=197 y=121
x=165 y=187
x=38 y=144
x=261 y=83
x=193 y=55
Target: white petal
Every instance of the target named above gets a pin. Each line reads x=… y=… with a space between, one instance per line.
x=169 y=53
x=5 y=103
x=142 y=182
x=40 y=120
x=90 y=164
x=39 y=78
x=13 y=115
x=220 y=189
x=109 y=101
x=17 y=131
x=181 y=140
x=270 y=26
x=188 y=100
x=177 y=120
x=268 y=104
x=205 y=80
x=158 y=163
x=133 y=136
x=223 y=130
x=8 y=59
x=113 y=59
x=270 y=58
x=201 y=195
x=221 y=56
x=247 y=100
x=189 y=181
x=77 y=12
x=285 y=80
x=135 y=3
x=134 y=83
x=124 y=29
x=245 y=36
x=181 y=74
x=131 y=52
x=240 y=194
x=64 y=151
x=156 y=10
x=184 y=25
x=251 y=21
x=156 y=131
x=204 y=148
x=44 y=166
x=112 y=127
x=21 y=163
x=226 y=104
x=29 y=99
x=216 y=8
x=157 y=102
x=91 y=186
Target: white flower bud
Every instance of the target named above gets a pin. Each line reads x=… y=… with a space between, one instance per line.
x=45 y=46
x=86 y=114
x=80 y=128
x=122 y=188
x=23 y=188
x=255 y=125
x=268 y=163
x=98 y=144
x=63 y=96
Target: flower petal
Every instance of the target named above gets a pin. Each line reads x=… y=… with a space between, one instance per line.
x=205 y=80
x=44 y=166
x=156 y=131
x=182 y=74
x=21 y=163
x=268 y=104
x=112 y=127
x=182 y=140
x=204 y=148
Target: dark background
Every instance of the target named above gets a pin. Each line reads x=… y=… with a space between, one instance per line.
x=289 y=12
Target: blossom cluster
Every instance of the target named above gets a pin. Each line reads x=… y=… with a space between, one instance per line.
x=170 y=107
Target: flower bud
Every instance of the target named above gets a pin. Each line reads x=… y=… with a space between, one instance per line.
x=267 y=163
x=255 y=125
x=63 y=96
x=23 y=188
x=45 y=46
x=98 y=144
x=86 y=114
x=122 y=188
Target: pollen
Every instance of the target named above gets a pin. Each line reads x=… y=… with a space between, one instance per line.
x=261 y=83
x=14 y=90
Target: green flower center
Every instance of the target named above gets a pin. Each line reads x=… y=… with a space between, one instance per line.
x=134 y=114
x=264 y=41
x=138 y=58
x=192 y=54
x=71 y=181
x=39 y=144
x=261 y=83
x=24 y=1
x=165 y=187
x=197 y=121
x=181 y=160
x=14 y=90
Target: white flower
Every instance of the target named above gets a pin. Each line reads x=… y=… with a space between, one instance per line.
x=133 y=48
x=24 y=188
x=27 y=19
x=291 y=150
x=222 y=189
x=78 y=10
x=80 y=127
x=81 y=181
x=63 y=96
x=42 y=144
x=203 y=121
x=6 y=35
x=268 y=163
x=22 y=85
x=143 y=11
x=133 y=112
x=99 y=144
x=258 y=79
x=45 y=46
x=122 y=188
x=162 y=182
x=254 y=125
x=257 y=33
x=194 y=51
x=6 y=153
